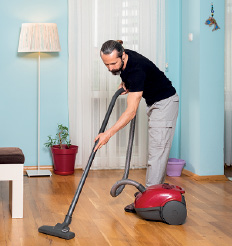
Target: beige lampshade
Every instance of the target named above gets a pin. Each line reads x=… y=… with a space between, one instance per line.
x=39 y=37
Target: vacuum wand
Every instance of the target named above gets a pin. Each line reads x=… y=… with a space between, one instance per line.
x=62 y=230
x=92 y=155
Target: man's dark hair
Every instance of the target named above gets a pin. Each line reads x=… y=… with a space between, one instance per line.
x=109 y=46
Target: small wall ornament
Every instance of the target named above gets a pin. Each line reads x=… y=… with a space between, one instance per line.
x=211 y=21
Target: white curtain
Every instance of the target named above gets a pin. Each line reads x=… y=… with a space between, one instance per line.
x=228 y=83
x=141 y=25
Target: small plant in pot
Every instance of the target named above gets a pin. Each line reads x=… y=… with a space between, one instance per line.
x=63 y=152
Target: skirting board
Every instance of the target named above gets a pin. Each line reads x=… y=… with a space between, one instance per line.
x=204 y=178
x=35 y=168
x=185 y=172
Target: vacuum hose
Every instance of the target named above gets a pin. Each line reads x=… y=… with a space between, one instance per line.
x=119 y=185
x=128 y=156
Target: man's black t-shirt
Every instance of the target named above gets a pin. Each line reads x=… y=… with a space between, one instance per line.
x=141 y=74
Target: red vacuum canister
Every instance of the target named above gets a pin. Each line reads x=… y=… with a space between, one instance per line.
x=163 y=202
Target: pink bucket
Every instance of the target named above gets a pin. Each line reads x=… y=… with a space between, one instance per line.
x=175 y=166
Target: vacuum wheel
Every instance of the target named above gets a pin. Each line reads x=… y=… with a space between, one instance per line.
x=174 y=213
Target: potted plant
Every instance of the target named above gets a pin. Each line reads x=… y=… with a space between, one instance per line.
x=63 y=152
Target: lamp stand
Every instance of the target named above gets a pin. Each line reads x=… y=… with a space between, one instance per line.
x=38 y=172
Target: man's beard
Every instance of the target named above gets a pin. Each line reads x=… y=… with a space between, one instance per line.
x=118 y=71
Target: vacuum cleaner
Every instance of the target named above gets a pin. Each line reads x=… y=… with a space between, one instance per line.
x=162 y=202
x=146 y=201
x=62 y=230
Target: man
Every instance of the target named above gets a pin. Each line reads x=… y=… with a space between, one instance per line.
x=141 y=78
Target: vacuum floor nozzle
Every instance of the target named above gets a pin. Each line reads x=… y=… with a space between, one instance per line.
x=58 y=231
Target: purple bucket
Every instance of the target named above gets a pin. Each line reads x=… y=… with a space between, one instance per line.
x=175 y=166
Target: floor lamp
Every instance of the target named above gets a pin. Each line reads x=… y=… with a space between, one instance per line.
x=39 y=37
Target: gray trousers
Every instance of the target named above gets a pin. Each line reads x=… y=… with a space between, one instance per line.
x=162 y=118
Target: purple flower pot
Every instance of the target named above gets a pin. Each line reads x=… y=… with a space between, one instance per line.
x=175 y=166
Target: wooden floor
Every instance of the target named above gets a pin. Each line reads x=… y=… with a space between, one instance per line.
x=100 y=219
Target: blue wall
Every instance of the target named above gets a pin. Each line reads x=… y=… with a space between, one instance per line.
x=202 y=88
x=196 y=69
x=18 y=85
x=173 y=58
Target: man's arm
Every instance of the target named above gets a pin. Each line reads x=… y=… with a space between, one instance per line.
x=133 y=100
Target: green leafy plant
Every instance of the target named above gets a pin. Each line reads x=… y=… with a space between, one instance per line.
x=62 y=137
